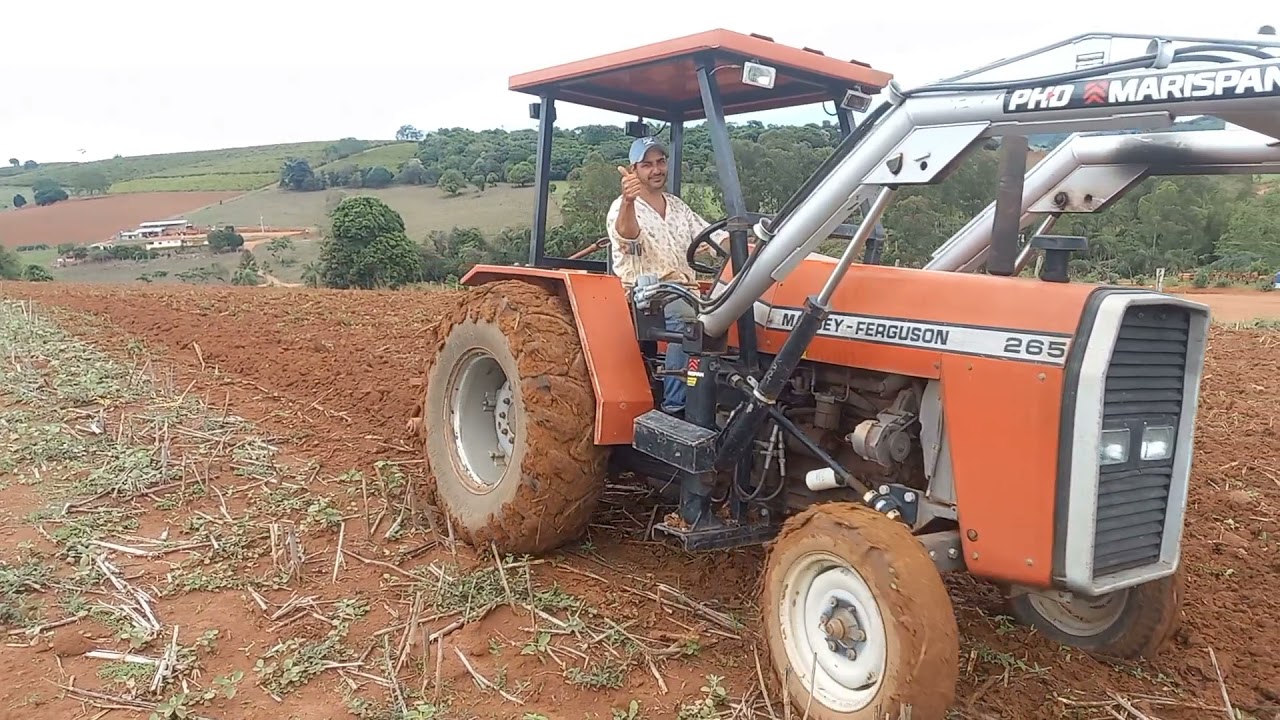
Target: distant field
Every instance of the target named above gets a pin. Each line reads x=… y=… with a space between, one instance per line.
x=90 y=220
x=303 y=252
x=423 y=208
x=390 y=156
x=245 y=168
x=129 y=271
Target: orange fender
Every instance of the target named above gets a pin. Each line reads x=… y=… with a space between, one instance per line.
x=609 y=343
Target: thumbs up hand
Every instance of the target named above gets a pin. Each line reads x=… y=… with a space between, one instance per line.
x=631 y=186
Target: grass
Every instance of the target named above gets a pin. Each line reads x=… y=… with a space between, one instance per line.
x=245 y=168
x=8 y=190
x=160 y=270
x=423 y=208
x=390 y=156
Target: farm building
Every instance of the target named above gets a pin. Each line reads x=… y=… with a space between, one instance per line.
x=165 y=244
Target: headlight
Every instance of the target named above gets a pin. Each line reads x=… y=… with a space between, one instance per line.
x=1157 y=443
x=1113 y=448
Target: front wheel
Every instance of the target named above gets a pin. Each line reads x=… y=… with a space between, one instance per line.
x=1125 y=624
x=856 y=614
x=508 y=416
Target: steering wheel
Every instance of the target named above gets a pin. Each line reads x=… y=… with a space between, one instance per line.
x=704 y=237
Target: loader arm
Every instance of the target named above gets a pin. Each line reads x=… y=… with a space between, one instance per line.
x=918 y=135
x=1087 y=173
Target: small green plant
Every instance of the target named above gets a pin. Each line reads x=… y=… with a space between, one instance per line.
x=1201 y=279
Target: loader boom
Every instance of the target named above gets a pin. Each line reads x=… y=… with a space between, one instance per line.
x=918 y=135
x=1087 y=173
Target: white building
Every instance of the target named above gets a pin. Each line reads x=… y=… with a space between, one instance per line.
x=165 y=244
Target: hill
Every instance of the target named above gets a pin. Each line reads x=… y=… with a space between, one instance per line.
x=225 y=169
x=423 y=208
x=465 y=194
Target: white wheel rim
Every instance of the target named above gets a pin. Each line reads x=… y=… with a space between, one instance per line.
x=482 y=420
x=841 y=684
x=1081 y=616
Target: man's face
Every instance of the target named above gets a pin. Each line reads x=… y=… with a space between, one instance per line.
x=652 y=169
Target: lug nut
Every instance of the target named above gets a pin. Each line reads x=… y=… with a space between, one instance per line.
x=831 y=645
x=850 y=654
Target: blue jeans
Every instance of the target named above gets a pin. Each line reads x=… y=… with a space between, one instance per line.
x=678 y=316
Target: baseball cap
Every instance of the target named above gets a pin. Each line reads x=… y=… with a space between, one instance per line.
x=642 y=145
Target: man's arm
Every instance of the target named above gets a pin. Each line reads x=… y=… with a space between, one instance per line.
x=623 y=228
x=626 y=225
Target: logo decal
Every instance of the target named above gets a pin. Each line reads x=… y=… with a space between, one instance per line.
x=1095 y=93
x=994 y=342
x=1154 y=89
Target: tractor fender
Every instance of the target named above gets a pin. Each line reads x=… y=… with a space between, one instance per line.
x=608 y=337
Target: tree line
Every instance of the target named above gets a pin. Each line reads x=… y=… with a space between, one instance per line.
x=1219 y=225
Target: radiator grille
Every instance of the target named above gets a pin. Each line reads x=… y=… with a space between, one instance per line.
x=1144 y=386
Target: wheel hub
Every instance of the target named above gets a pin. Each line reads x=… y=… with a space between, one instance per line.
x=1081 y=616
x=833 y=632
x=482 y=419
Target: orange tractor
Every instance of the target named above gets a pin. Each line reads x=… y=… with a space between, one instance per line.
x=876 y=426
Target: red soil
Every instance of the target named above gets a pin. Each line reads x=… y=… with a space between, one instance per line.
x=329 y=371
x=90 y=220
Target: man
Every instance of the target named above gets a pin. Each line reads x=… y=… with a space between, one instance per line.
x=650 y=231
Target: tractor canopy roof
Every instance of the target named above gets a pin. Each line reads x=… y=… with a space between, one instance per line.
x=660 y=81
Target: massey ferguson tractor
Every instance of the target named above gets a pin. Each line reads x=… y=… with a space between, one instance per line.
x=875 y=426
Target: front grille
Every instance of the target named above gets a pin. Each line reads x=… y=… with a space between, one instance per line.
x=1144 y=387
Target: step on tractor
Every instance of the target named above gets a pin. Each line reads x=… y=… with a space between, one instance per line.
x=875 y=427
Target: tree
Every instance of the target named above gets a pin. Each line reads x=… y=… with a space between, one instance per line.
x=367 y=247
x=408 y=133
x=225 y=239
x=10 y=264
x=14 y=162
x=520 y=174
x=47 y=192
x=412 y=173
x=19 y=200
x=30 y=165
x=478 y=180
x=296 y=174
x=36 y=273
x=377 y=177
x=90 y=180
x=247 y=272
x=452 y=181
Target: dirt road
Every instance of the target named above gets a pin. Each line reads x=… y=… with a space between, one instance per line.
x=294 y=473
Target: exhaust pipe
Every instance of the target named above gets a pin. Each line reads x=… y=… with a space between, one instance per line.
x=1003 y=257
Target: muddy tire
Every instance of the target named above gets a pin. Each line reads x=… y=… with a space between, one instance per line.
x=891 y=609
x=1127 y=624
x=508 y=415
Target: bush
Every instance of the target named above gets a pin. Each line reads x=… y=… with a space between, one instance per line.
x=1201 y=279
x=37 y=273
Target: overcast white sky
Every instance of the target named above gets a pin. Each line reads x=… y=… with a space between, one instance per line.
x=141 y=76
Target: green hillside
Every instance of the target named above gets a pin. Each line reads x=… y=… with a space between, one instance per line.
x=244 y=168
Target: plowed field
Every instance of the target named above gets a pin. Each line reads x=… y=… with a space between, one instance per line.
x=91 y=220
x=272 y=422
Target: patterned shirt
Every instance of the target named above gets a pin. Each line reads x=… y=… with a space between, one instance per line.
x=663 y=242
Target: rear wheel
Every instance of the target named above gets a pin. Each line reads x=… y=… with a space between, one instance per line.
x=856 y=613
x=508 y=417
x=1126 y=624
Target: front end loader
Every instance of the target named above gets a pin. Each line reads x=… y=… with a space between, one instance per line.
x=875 y=426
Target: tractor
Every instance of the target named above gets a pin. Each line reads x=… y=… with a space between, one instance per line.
x=873 y=426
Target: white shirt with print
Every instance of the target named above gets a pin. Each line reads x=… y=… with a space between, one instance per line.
x=663 y=241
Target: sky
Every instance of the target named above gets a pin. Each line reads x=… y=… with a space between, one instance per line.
x=137 y=76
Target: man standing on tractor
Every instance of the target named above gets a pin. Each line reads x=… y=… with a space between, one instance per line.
x=650 y=231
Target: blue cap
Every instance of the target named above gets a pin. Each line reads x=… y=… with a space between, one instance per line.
x=642 y=145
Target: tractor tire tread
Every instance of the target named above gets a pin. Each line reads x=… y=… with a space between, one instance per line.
x=562 y=471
